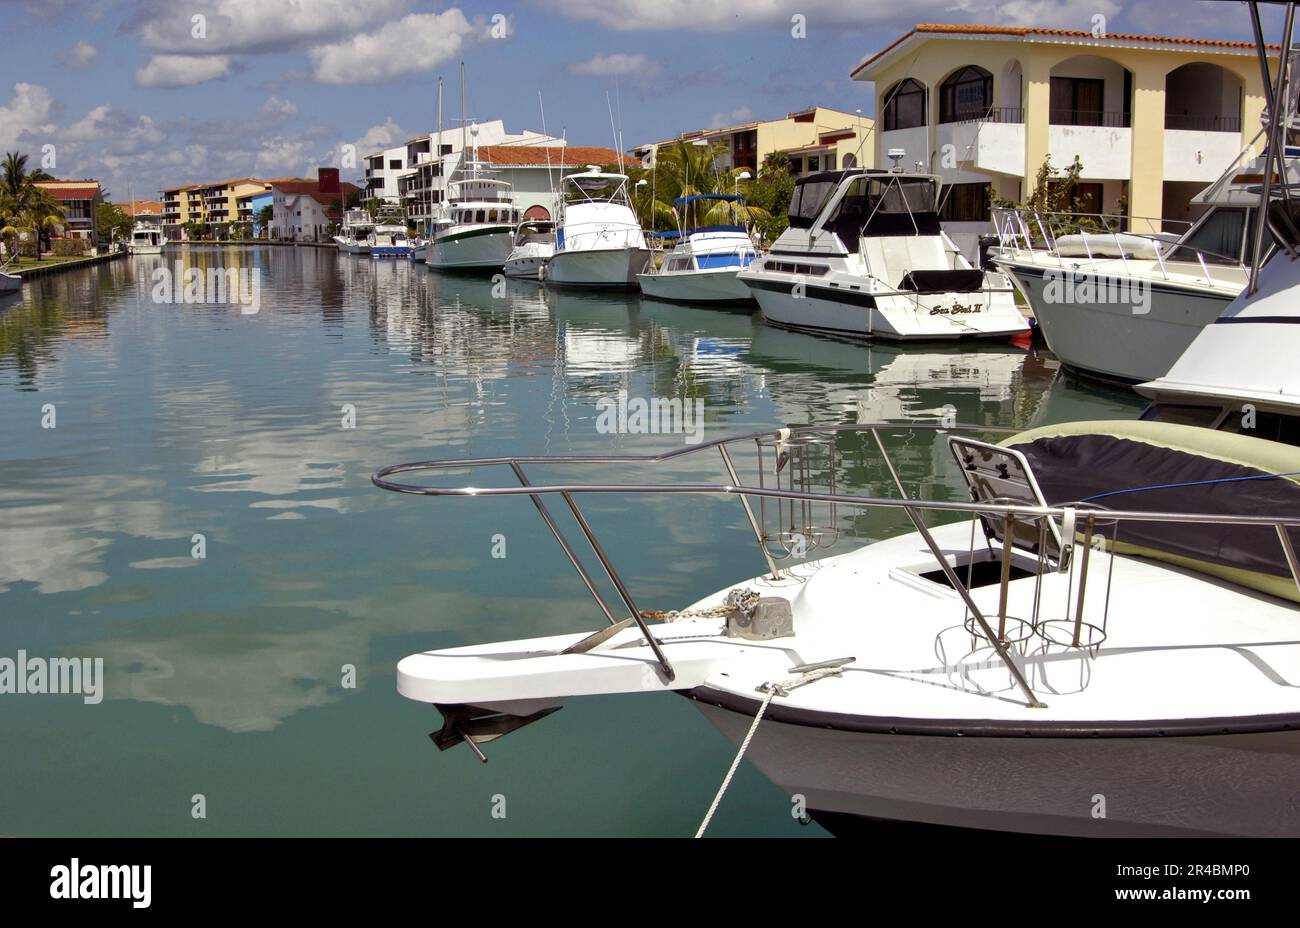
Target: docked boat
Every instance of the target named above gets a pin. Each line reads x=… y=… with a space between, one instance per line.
x=1123 y=306
x=419 y=249
x=865 y=256
x=476 y=230
x=533 y=245
x=9 y=283
x=702 y=267
x=598 y=238
x=354 y=237
x=147 y=237
x=387 y=237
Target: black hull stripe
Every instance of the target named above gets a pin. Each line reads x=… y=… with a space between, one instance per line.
x=996 y=728
x=1267 y=320
x=1155 y=285
x=832 y=294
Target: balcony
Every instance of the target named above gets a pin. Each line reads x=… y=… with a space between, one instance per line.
x=993 y=143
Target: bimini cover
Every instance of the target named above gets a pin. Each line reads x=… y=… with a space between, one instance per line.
x=1163 y=467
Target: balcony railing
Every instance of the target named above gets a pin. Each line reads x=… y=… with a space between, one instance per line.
x=1003 y=114
x=1203 y=123
x=1071 y=117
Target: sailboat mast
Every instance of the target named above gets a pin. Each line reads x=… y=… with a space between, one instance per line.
x=464 y=151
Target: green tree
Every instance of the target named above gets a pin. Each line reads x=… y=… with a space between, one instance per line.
x=265 y=216
x=113 y=223
x=686 y=169
x=26 y=210
x=1056 y=195
x=771 y=192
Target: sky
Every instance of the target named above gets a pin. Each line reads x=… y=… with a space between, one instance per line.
x=148 y=94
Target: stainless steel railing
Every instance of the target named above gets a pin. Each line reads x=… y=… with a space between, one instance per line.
x=792 y=500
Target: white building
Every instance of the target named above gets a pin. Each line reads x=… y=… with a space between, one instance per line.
x=306 y=210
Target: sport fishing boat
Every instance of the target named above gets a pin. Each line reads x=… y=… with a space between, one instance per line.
x=534 y=243
x=703 y=266
x=598 y=238
x=1124 y=305
x=146 y=237
x=1102 y=643
x=387 y=237
x=865 y=256
x=354 y=237
x=476 y=229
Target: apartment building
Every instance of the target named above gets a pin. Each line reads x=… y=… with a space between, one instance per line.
x=1152 y=119
x=79 y=200
x=385 y=170
x=815 y=139
x=307 y=210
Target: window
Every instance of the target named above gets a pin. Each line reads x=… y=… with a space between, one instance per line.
x=814 y=163
x=807 y=201
x=1218 y=237
x=395 y=164
x=478 y=216
x=1076 y=101
x=965 y=203
x=967 y=94
x=905 y=106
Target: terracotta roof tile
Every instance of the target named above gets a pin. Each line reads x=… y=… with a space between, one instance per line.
x=1023 y=31
x=561 y=156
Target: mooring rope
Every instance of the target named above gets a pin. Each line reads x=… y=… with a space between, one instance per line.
x=735 y=764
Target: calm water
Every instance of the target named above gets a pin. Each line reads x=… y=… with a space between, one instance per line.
x=223 y=673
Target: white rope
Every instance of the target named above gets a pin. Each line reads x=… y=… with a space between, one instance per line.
x=735 y=764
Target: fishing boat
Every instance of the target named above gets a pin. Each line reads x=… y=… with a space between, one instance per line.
x=354 y=237
x=419 y=249
x=865 y=256
x=476 y=229
x=1124 y=305
x=387 y=237
x=147 y=237
x=598 y=238
x=703 y=266
x=1098 y=640
x=533 y=245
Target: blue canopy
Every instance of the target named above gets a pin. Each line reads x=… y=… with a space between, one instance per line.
x=706 y=196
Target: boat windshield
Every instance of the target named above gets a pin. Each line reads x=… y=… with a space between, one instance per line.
x=883 y=206
x=808 y=200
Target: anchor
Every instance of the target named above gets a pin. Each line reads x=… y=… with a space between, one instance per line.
x=475 y=725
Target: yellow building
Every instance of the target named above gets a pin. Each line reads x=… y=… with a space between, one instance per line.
x=815 y=139
x=219 y=203
x=1153 y=119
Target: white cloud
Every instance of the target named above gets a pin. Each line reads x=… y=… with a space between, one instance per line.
x=81 y=55
x=739 y=115
x=410 y=45
x=616 y=64
x=236 y=26
x=29 y=111
x=737 y=15
x=387 y=134
x=276 y=109
x=182 y=70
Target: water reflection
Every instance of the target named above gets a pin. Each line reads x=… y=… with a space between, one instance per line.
x=177 y=421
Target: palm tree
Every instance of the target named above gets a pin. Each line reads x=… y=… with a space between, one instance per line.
x=688 y=169
x=25 y=207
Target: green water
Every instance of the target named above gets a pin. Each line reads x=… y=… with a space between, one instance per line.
x=223 y=674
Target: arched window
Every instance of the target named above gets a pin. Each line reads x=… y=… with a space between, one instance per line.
x=966 y=94
x=905 y=105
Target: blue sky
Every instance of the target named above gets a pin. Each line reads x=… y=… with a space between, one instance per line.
x=142 y=95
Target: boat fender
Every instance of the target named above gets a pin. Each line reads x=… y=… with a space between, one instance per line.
x=1067 y=537
x=768 y=617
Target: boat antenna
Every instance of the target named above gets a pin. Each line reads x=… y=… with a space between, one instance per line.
x=613 y=131
x=550 y=179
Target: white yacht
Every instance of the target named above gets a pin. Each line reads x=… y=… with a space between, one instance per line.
x=354 y=237
x=1103 y=643
x=419 y=249
x=865 y=256
x=387 y=237
x=9 y=283
x=598 y=238
x=475 y=231
x=147 y=236
x=702 y=268
x=1124 y=306
x=533 y=245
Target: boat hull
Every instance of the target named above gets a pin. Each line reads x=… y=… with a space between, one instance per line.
x=1239 y=784
x=1119 y=340
x=354 y=248
x=528 y=266
x=709 y=286
x=145 y=249
x=605 y=267
x=477 y=251
x=10 y=283
x=855 y=313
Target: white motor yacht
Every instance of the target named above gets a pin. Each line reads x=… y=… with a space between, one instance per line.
x=147 y=236
x=1124 y=306
x=702 y=268
x=865 y=256
x=598 y=238
x=475 y=231
x=534 y=243
x=354 y=237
